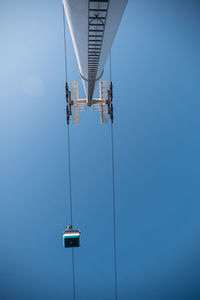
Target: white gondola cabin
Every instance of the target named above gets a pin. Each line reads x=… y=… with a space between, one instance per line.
x=71 y=238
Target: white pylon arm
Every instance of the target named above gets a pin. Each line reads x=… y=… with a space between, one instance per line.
x=93 y=25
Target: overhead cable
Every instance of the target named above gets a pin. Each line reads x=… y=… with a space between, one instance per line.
x=113 y=196
x=69 y=160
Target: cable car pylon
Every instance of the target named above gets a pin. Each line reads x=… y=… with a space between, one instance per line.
x=93 y=25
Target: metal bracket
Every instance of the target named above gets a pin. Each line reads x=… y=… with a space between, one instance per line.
x=102 y=104
x=110 y=98
x=68 y=227
x=68 y=103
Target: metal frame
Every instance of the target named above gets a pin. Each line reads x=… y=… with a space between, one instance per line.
x=102 y=104
x=97 y=16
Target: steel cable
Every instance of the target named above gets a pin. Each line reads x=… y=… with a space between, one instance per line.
x=69 y=159
x=110 y=66
x=65 y=43
x=114 y=212
x=113 y=195
x=71 y=211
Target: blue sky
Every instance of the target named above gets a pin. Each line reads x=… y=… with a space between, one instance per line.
x=156 y=71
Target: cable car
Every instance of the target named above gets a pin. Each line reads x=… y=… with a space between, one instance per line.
x=71 y=238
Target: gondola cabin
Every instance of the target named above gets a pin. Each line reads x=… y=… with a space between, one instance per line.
x=71 y=238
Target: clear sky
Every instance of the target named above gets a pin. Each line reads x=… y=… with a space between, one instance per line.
x=156 y=72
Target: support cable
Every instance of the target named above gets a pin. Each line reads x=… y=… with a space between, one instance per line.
x=110 y=66
x=70 y=177
x=114 y=212
x=70 y=197
x=113 y=195
x=69 y=159
x=65 y=43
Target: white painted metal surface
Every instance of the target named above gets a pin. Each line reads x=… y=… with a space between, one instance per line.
x=93 y=26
